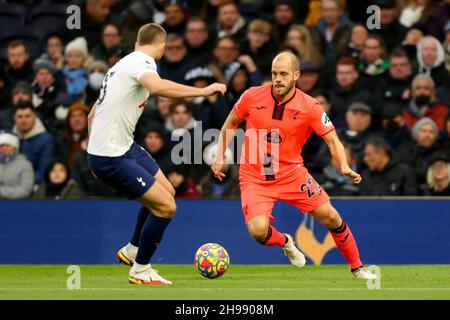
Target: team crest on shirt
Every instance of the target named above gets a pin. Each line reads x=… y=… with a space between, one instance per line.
x=294 y=115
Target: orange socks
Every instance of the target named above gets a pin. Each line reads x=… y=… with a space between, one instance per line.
x=346 y=243
x=274 y=238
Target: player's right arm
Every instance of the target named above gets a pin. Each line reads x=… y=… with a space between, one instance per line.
x=166 y=88
x=226 y=134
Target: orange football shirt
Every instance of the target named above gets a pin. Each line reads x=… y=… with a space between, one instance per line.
x=276 y=132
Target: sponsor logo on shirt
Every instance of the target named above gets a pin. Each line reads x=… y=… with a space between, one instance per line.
x=273 y=137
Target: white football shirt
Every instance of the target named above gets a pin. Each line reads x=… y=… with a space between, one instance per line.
x=119 y=106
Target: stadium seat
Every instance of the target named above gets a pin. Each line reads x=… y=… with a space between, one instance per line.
x=48 y=17
x=27 y=34
x=11 y=15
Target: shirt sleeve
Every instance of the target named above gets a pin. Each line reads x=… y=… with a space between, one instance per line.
x=319 y=120
x=143 y=66
x=242 y=105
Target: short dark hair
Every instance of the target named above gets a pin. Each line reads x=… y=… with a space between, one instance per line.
x=399 y=53
x=17 y=43
x=150 y=33
x=380 y=143
x=23 y=105
x=231 y=38
x=189 y=106
x=112 y=24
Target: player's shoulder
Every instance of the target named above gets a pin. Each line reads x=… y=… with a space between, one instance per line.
x=307 y=102
x=257 y=91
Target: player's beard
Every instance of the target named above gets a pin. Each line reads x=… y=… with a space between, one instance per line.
x=281 y=92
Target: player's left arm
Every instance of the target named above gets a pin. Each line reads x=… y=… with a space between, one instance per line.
x=338 y=153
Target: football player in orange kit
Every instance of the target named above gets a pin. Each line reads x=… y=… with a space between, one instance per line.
x=280 y=118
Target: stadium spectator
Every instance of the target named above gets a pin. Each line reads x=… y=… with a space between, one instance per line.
x=284 y=18
x=439 y=19
x=348 y=89
x=299 y=38
x=19 y=66
x=418 y=152
x=431 y=60
x=412 y=38
x=310 y=79
x=16 y=172
x=384 y=175
x=45 y=88
x=115 y=53
x=438 y=175
x=446 y=46
x=336 y=184
x=258 y=45
x=391 y=30
x=230 y=22
x=176 y=61
x=155 y=142
x=35 y=142
x=394 y=128
x=395 y=86
x=75 y=74
x=96 y=71
x=111 y=36
x=68 y=144
x=175 y=17
x=5 y=90
x=54 y=50
x=198 y=40
x=374 y=62
x=225 y=53
x=57 y=183
x=94 y=16
x=332 y=32
x=358 y=120
x=181 y=123
x=323 y=98
x=423 y=103
x=185 y=186
x=22 y=91
x=358 y=37
x=417 y=11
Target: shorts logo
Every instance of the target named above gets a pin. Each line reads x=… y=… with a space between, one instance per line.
x=273 y=137
x=141 y=181
x=326 y=120
x=294 y=115
x=260 y=107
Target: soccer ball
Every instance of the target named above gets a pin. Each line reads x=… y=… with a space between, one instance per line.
x=212 y=260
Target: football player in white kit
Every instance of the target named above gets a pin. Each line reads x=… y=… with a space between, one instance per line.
x=115 y=158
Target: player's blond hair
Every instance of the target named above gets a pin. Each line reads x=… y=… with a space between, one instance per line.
x=151 y=33
x=431 y=182
x=295 y=62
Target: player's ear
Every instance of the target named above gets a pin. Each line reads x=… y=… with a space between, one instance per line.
x=296 y=75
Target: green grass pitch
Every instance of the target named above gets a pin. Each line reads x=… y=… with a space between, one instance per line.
x=240 y=282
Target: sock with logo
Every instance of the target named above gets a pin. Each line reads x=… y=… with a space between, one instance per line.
x=151 y=235
x=274 y=238
x=346 y=243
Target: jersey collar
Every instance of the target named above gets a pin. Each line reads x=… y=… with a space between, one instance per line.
x=285 y=102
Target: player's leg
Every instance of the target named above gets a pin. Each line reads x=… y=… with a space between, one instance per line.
x=343 y=238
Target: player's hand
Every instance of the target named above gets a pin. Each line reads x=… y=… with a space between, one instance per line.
x=215 y=88
x=217 y=168
x=356 y=177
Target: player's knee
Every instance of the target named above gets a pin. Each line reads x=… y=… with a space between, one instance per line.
x=259 y=232
x=332 y=220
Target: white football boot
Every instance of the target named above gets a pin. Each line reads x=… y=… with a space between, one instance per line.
x=363 y=273
x=293 y=253
x=145 y=275
x=127 y=255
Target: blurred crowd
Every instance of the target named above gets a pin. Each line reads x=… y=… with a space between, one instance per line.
x=386 y=89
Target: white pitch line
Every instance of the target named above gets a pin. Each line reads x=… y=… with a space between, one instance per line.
x=225 y=289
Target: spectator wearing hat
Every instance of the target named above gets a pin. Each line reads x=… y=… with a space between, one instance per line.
x=22 y=91
x=310 y=80
x=96 y=72
x=418 y=152
x=57 y=183
x=54 y=50
x=284 y=16
x=394 y=128
x=438 y=175
x=384 y=175
x=16 y=172
x=358 y=120
x=68 y=145
x=198 y=39
x=423 y=103
x=111 y=36
x=175 y=16
x=19 y=66
x=299 y=38
x=332 y=32
x=431 y=61
x=392 y=31
x=259 y=46
x=75 y=74
x=230 y=22
x=45 y=87
x=155 y=142
x=395 y=87
x=176 y=62
x=35 y=142
x=347 y=89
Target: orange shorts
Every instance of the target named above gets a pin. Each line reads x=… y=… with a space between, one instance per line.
x=298 y=189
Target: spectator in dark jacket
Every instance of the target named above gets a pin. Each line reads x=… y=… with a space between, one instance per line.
x=431 y=61
x=418 y=152
x=19 y=66
x=155 y=142
x=35 y=142
x=199 y=40
x=394 y=128
x=57 y=183
x=384 y=176
x=16 y=172
x=438 y=175
x=22 y=91
x=230 y=22
x=111 y=36
x=176 y=16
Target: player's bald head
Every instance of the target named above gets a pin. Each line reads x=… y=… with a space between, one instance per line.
x=287 y=58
